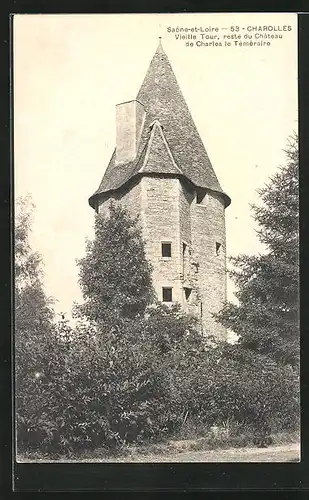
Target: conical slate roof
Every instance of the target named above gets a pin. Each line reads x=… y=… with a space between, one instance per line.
x=170 y=142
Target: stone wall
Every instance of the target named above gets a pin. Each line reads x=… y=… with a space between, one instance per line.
x=169 y=213
x=186 y=196
x=130 y=197
x=160 y=219
x=208 y=231
x=129 y=122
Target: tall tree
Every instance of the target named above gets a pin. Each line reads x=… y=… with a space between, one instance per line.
x=266 y=316
x=33 y=309
x=33 y=321
x=115 y=276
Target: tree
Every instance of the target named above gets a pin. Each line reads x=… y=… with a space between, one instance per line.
x=266 y=317
x=115 y=276
x=33 y=322
x=33 y=309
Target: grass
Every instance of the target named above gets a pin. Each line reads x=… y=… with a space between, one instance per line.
x=188 y=440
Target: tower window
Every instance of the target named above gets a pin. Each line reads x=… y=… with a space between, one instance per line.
x=218 y=248
x=184 y=257
x=166 y=250
x=188 y=292
x=167 y=295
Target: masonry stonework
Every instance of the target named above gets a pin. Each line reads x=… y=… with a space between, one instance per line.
x=168 y=181
x=208 y=231
x=129 y=198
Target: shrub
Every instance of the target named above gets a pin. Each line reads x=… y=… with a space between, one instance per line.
x=109 y=387
x=139 y=381
x=232 y=382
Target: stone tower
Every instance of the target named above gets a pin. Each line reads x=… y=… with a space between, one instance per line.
x=161 y=171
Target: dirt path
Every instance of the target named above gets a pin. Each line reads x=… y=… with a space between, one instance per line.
x=283 y=453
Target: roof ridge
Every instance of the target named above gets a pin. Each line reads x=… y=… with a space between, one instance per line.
x=148 y=146
x=156 y=128
x=169 y=149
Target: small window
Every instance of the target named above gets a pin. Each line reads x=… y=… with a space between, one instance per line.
x=218 y=248
x=184 y=256
x=188 y=293
x=167 y=295
x=166 y=250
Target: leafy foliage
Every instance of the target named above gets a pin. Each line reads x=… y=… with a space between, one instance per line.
x=109 y=387
x=131 y=369
x=126 y=385
x=233 y=382
x=115 y=276
x=33 y=322
x=266 y=317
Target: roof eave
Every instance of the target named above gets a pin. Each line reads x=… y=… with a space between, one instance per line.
x=93 y=199
x=227 y=199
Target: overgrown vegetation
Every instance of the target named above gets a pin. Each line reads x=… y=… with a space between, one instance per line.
x=33 y=330
x=134 y=371
x=266 y=317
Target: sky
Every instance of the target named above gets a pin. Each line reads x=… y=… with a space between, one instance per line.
x=70 y=71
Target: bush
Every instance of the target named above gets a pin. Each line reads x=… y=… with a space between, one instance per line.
x=232 y=382
x=141 y=381
x=107 y=387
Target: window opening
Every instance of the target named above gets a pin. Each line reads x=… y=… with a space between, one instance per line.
x=184 y=256
x=188 y=292
x=218 y=248
x=166 y=250
x=167 y=295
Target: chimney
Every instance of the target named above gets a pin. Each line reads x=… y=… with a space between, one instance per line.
x=130 y=118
